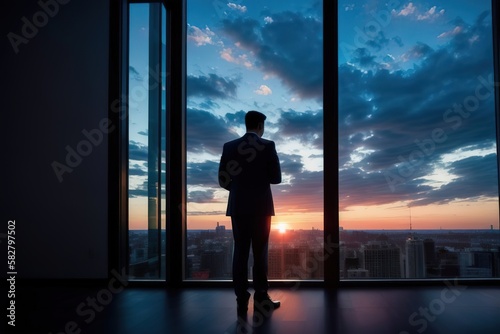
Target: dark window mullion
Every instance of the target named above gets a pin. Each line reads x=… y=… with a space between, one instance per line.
x=330 y=144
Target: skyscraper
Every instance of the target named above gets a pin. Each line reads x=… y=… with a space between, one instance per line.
x=382 y=259
x=415 y=258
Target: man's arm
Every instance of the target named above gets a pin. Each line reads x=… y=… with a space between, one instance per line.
x=274 y=166
x=224 y=176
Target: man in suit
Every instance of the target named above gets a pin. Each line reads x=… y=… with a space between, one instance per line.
x=248 y=167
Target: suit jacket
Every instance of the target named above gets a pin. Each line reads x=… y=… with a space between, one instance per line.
x=248 y=167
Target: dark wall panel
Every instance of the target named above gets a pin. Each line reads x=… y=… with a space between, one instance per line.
x=54 y=98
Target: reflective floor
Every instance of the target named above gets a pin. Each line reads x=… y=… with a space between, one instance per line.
x=447 y=308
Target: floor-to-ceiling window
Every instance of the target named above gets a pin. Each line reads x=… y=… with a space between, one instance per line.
x=265 y=56
x=418 y=185
x=147 y=140
x=418 y=182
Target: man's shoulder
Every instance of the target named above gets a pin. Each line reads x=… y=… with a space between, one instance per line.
x=267 y=141
x=248 y=139
x=233 y=142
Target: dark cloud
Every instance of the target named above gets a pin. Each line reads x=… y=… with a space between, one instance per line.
x=379 y=42
x=303 y=193
x=137 y=151
x=363 y=58
x=203 y=173
x=475 y=177
x=139 y=191
x=305 y=126
x=137 y=170
x=211 y=86
x=395 y=126
x=207 y=132
x=236 y=119
x=289 y=47
x=201 y=196
x=209 y=105
x=291 y=163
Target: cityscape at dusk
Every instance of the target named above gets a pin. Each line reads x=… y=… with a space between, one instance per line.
x=297 y=254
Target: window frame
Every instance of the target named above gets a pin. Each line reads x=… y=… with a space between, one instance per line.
x=176 y=150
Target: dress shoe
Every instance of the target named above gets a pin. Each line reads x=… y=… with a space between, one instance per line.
x=264 y=304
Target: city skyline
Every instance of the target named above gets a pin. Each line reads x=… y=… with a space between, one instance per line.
x=297 y=254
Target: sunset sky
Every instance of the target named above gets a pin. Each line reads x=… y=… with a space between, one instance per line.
x=416 y=113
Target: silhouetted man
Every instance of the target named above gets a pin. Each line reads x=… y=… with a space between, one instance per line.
x=248 y=167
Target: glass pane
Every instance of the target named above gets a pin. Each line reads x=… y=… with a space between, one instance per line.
x=265 y=56
x=163 y=148
x=417 y=140
x=146 y=141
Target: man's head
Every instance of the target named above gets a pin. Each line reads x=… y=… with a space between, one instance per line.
x=254 y=122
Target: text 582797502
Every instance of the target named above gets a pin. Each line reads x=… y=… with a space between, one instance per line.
x=11 y=272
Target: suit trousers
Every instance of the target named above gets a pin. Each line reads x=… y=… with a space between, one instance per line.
x=250 y=230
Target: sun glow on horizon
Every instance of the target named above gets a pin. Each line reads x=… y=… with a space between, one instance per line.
x=282 y=227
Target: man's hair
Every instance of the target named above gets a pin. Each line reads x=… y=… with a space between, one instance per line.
x=253 y=118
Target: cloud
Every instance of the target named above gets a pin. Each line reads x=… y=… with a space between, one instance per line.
x=431 y=14
x=378 y=42
x=200 y=37
x=137 y=170
x=201 y=196
x=239 y=8
x=291 y=163
x=207 y=132
x=137 y=151
x=289 y=47
x=203 y=173
x=212 y=86
x=303 y=194
x=263 y=90
x=140 y=191
x=304 y=126
x=420 y=50
x=349 y=7
x=389 y=121
x=209 y=104
x=451 y=33
x=472 y=174
x=405 y=11
x=227 y=55
x=411 y=11
x=364 y=58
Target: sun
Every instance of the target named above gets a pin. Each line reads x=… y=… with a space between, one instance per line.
x=282 y=227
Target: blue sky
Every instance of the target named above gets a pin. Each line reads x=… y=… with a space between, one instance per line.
x=403 y=66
